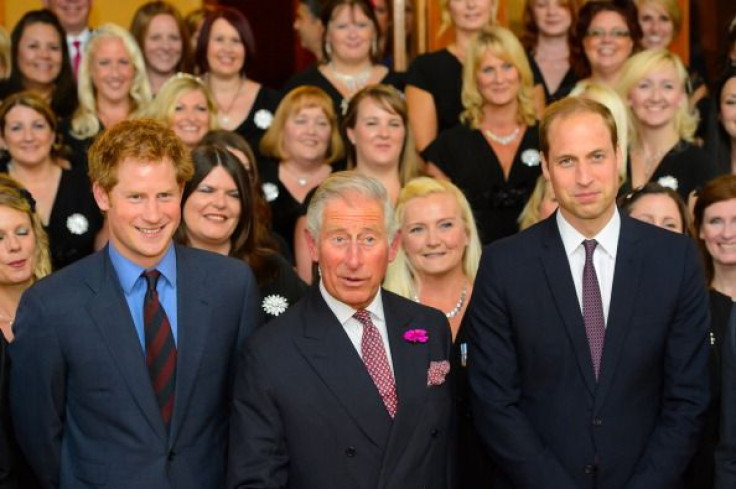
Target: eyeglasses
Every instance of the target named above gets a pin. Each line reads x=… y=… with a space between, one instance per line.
x=600 y=33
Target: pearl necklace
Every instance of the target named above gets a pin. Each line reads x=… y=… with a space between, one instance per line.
x=455 y=310
x=502 y=140
x=352 y=82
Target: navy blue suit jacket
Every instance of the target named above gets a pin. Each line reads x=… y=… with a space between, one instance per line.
x=83 y=406
x=307 y=414
x=536 y=401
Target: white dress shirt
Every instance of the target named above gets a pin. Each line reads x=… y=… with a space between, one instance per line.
x=604 y=256
x=82 y=37
x=353 y=327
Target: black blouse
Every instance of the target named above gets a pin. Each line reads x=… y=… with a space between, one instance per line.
x=566 y=85
x=464 y=155
x=441 y=75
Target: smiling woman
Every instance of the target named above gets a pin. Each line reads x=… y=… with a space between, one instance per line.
x=40 y=62
x=218 y=215
x=163 y=38
x=186 y=105
x=63 y=199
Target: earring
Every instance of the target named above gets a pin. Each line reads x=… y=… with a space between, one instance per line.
x=374 y=47
x=328 y=49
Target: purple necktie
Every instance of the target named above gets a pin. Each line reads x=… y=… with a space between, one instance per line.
x=595 y=324
x=376 y=361
x=160 y=348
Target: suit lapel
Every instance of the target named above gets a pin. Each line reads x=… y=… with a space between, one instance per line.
x=111 y=315
x=560 y=283
x=626 y=280
x=327 y=348
x=194 y=318
x=411 y=361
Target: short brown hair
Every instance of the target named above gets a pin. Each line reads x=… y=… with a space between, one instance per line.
x=303 y=97
x=144 y=139
x=34 y=101
x=567 y=107
x=142 y=20
x=719 y=189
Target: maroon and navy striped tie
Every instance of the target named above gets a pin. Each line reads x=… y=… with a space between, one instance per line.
x=160 y=348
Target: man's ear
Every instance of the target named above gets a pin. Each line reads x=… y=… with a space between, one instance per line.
x=394 y=246
x=101 y=197
x=312 y=245
x=545 y=168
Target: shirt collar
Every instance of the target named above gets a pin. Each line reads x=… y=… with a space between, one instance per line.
x=607 y=238
x=129 y=272
x=82 y=37
x=344 y=312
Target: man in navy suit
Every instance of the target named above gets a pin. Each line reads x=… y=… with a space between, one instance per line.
x=349 y=388
x=122 y=365
x=588 y=354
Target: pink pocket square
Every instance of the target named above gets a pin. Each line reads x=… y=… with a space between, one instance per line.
x=437 y=372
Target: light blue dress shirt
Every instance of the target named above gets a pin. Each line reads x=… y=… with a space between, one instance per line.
x=134 y=287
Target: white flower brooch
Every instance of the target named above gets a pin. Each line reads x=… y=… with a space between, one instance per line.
x=668 y=181
x=274 y=304
x=263 y=119
x=77 y=224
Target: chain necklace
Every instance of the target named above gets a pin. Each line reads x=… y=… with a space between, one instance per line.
x=502 y=140
x=224 y=114
x=455 y=310
x=651 y=161
x=352 y=82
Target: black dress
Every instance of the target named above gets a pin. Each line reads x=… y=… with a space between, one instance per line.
x=285 y=209
x=464 y=155
x=566 y=85
x=314 y=77
x=283 y=291
x=441 y=75
x=475 y=467
x=699 y=474
x=684 y=168
x=75 y=219
x=259 y=118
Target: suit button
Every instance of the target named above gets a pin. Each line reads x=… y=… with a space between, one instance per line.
x=350 y=452
x=171 y=456
x=589 y=469
x=597 y=421
x=434 y=433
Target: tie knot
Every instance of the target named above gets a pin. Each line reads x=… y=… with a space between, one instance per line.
x=589 y=245
x=76 y=43
x=363 y=316
x=152 y=278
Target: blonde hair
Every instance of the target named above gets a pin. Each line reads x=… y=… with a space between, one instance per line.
x=85 y=123
x=502 y=43
x=446 y=17
x=14 y=196
x=163 y=106
x=530 y=214
x=670 y=7
x=609 y=97
x=6 y=64
x=304 y=97
x=400 y=277
x=685 y=120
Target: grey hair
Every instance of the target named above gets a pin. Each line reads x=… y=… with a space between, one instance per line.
x=341 y=184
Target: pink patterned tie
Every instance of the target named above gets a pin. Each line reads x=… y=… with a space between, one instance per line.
x=376 y=361
x=77 y=56
x=595 y=324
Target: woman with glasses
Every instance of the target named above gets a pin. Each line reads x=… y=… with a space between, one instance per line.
x=606 y=36
x=662 y=124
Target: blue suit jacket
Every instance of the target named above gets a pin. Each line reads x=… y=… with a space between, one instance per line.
x=536 y=401
x=308 y=416
x=83 y=406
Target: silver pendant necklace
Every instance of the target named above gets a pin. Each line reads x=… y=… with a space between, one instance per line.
x=352 y=82
x=455 y=310
x=502 y=140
